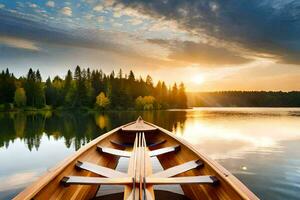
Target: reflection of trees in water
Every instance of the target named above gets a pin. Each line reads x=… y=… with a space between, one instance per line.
x=170 y=120
x=34 y=130
x=19 y=124
x=76 y=128
x=27 y=127
x=6 y=129
x=102 y=120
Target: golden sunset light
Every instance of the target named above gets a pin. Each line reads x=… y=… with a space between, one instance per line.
x=198 y=79
x=149 y=99
x=118 y=34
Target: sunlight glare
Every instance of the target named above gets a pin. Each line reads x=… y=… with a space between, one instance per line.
x=198 y=79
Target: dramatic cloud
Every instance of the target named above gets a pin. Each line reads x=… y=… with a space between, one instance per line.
x=262 y=26
x=225 y=42
x=200 y=53
x=18 y=43
x=140 y=50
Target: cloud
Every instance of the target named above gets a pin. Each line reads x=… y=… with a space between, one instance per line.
x=67 y=38
x=50 y=4
x=17 y=180
x=200 y=53
x=135 y=21
x=2 y=5
x=260 y=26
x=18 y=43
x=98 y=8
x=66 y=11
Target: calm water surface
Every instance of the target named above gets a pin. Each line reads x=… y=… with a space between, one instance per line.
x=261 y=146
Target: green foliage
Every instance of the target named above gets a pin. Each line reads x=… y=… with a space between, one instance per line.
x=145 y=103
x=34 y=89
x=102 y=101
x=6 y=107
x=80 y=89
x=7 y=87
x=20 y=97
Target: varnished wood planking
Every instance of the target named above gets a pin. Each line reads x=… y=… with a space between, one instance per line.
x=184 y=155
x=49 y=186
x=229 y=188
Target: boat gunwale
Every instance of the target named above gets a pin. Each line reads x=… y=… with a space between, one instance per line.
x=30 y=191
x=228 y=177
x=34 y=188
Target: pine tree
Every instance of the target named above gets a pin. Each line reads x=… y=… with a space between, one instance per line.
x=120 y=74
x=174 y=96
x=82 y=89
x=7 y=87
x=30 y=88
x=164 y=95
x=38 y=76
x=182 y=99
x=68 y=80
x=131 y=76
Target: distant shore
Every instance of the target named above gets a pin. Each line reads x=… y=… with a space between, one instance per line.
x=86 y=109
x=244 y=99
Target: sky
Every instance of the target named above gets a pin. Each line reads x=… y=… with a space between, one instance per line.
x=209 y=44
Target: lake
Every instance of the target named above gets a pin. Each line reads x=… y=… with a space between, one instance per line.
x=261 y=146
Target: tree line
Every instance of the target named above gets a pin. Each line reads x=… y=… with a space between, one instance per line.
x=245 y=99
x=85 y=88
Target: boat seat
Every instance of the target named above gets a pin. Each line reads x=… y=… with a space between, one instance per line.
x=159 y=195
x=100 y=170
x=173 y=171
x=164 y=150
x=138 y=179
x=127 y=154
x=129 y=144
x=182 y=180
x=84 y=180
x=156 y=143
x=114 y=152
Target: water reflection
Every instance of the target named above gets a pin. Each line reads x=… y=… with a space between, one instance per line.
x=74 y=128
x=224 y=134
x=260 y=146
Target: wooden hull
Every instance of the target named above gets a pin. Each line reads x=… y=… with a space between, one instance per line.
x=49 y=186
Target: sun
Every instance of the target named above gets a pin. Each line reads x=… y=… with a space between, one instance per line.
x=198 y=79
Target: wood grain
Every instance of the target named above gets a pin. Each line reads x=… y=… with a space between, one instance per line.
x=179 y=164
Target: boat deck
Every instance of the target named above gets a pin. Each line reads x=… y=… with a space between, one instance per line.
x=144 y=160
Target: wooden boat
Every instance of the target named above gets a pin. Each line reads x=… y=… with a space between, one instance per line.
x=81 y=175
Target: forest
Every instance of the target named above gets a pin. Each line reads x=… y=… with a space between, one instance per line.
x=85 y=88
x=244 y=99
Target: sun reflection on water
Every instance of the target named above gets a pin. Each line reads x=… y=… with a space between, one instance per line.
x=232 y=136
